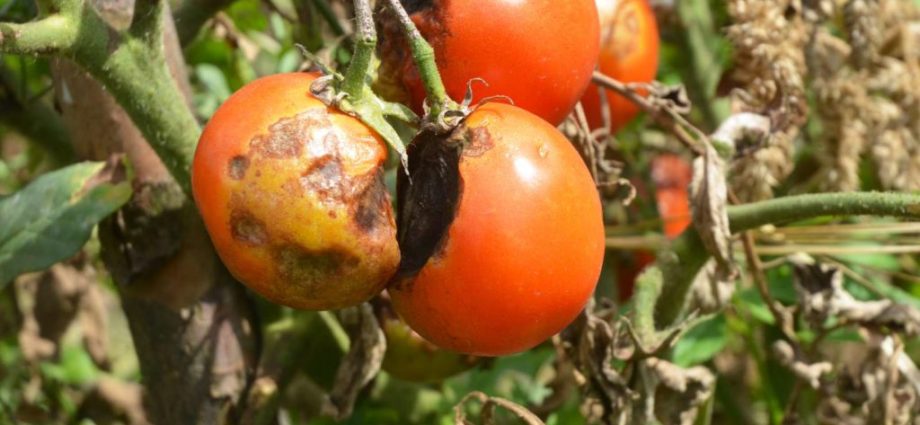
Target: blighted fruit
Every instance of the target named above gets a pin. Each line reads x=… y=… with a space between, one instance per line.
x=292 y=194
x=501 y=233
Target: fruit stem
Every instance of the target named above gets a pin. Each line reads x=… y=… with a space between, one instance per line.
x=365 y=43
x=423 y=55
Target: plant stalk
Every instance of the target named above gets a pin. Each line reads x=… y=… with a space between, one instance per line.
x=423 y=55
x=365 y=43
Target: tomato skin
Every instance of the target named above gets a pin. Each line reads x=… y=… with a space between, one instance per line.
x=540 y=53
x=291 y=193
x=523 y=253
x=629 y=53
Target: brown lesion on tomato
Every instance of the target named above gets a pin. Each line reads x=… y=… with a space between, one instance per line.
x=237 y=167
x=288 y=136
x=477 y=141
x=311 y=267
x=246 y=228
x=326 y=178
x=371 y=209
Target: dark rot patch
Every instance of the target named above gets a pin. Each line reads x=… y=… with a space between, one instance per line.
x=244 y=227
x=237 y=167
x=287 y=137
x=311 y=267
x=373 y=209
x=477 y=141
x=427 y=206
x=326 y=178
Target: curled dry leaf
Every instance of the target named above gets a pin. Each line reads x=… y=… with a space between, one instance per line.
x=741 y=133
x=680 y=392
x=488 y=410
x=361 y=364
x=710 y=292
x=808 y=372
x=590 y=342
x=821 y=294
x=709 y=196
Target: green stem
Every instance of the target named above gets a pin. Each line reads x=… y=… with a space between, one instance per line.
x=53 y=34
x=424 y=58
x=365 y=44
x=688 y=255
x=794 y=208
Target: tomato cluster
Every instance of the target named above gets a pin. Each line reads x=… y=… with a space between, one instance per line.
x=498 y=238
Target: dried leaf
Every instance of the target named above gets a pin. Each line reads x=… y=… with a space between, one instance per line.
x=589 y=342
x=710 y=217
x=361 y=364
x=681 y=392
x=821 y=294
x=808 y=372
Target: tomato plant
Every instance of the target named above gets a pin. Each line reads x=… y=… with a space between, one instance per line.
x=628 y=52
x=540 y=53
x=292 y=194
x=514 y=252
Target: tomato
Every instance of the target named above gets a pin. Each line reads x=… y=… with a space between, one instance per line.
x=540 y=53
x=522 y=241
x=292 y=194
x=410 y=358
x=672 y=175
x=629 y=53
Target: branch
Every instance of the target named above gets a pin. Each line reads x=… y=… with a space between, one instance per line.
x=681 y=266
x=53 y=34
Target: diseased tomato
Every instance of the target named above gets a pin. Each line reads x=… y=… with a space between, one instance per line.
x=501 y=233
x=410 y=358
x=629 y=53
x=540 y=53
x=292 y=194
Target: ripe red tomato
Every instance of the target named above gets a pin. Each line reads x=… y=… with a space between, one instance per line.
x=292 y=194
x=540 y=53
x=523 y=248
x=629 y=53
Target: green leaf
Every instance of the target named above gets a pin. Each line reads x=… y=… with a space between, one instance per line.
x=50 y=219
x=701 y=342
